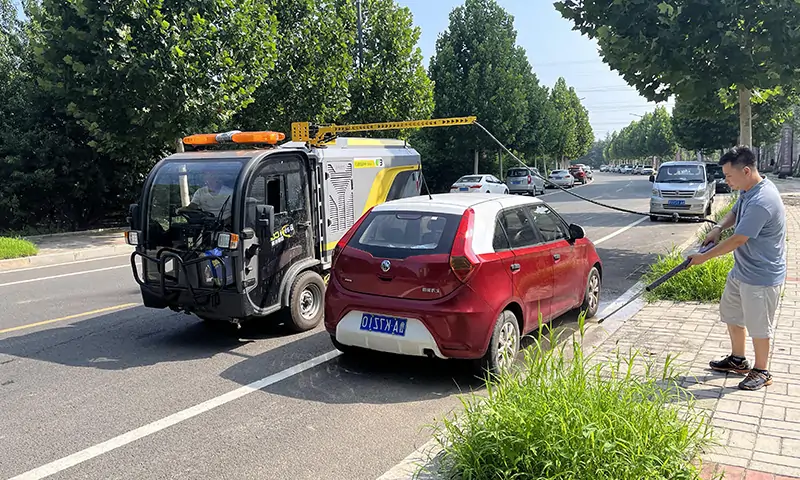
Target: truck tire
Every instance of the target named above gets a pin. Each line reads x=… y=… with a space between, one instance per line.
x=306 y=302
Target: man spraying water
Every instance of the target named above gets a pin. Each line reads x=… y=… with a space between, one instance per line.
x=752 y=289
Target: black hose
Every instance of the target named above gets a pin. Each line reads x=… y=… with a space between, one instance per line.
x=674 y=217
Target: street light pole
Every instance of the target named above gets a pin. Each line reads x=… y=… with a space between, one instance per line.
x=360 y=36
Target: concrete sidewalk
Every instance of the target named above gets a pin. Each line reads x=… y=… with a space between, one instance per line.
x=759 y=431
x=70 y=247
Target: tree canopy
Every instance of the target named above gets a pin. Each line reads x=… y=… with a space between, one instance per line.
x=651 y=136
x=689 y=48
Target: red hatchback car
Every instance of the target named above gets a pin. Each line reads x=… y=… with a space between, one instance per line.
x=457 y=276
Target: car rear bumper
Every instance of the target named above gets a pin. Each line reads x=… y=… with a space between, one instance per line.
x=522 y=188
x=563 y=182
x=458 y=326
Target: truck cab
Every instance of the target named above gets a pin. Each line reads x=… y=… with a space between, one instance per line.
x=242 y=233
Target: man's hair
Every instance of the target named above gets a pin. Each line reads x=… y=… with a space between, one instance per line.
x=740 y=156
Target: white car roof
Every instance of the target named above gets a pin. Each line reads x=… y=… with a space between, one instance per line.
x=455 y=202
x=486 y=207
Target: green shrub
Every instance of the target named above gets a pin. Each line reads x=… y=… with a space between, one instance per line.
x=703 y=283
x=574 y=418
x=16 y=248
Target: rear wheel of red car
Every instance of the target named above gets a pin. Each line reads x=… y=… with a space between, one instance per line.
x=503 y=346
x=306 y=301
x=591 y=298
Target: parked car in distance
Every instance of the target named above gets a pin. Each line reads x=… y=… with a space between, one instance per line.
x=637 y=170
x=647 y=171
x=457 y=276
x=579 y=173
x=562 y=178
x=526 y=181
x=683 y=187
x=721 y=185
x=479 y=184
x=589 y=172
x=626 y=169
x=603 y=168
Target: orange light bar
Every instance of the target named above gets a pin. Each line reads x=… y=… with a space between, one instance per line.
x=201 y=139
x=258 y=137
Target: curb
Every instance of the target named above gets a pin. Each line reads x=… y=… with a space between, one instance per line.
x=91 y=253
x=119 y=229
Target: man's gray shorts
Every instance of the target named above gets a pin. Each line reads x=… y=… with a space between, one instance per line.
x=750 y=306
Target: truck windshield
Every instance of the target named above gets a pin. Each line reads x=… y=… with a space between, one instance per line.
x=204 y=186
x=680 y=174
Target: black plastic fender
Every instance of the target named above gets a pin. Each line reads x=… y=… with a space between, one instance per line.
x=291 y=274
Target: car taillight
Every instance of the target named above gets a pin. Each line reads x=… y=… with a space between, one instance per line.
x=529 y=179
x=463 y=260
x=475 y=186
x=346 y=237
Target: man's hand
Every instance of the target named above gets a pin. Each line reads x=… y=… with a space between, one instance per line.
x=713 y=236
x=698 y=259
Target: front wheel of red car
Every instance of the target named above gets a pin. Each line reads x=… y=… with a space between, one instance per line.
x=503 y=346
x=591 y=298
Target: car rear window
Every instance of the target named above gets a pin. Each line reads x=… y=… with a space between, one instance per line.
x=474 y=179
x=517 y=172
x=400 y=234
x=558 y=172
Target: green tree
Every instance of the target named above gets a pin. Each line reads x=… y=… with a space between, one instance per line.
x=477 y=70
x=566 y=125
x=660 y=141
x=124 y=80
x=697 y=127
x=391 y=84
x=584 y=135
x=314 y=65
x=690 y=47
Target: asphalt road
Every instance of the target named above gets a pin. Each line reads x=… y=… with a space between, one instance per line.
x=138 y=393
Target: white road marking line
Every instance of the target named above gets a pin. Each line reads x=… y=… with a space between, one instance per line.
x=166 y=422
x=614 y=234
x=64 y=264
x=19 y=282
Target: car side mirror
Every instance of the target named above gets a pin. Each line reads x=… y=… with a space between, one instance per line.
x=133 y=216
x=265 y=215
x=652 y=178
x=576 y=232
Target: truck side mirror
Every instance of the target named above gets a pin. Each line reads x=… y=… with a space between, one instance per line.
x=265 y=215
x=133 y=216
x=652 y=178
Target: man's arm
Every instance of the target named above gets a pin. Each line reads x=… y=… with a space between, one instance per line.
x=750 y=226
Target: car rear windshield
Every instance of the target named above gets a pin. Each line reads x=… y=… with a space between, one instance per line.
x=518 y=172
x=558 y=172
x=400 y=234
x=469 y=180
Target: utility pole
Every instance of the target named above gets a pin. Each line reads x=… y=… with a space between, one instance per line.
x=360 y=35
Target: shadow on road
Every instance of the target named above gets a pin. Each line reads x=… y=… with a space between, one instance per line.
x=133 y=338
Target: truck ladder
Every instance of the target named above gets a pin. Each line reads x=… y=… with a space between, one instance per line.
x=317 y=135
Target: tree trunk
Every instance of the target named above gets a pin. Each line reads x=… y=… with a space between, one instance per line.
x=475 y=163
x=500 y=159
x=745 y=117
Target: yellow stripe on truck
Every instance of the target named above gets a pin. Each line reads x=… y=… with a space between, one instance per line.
x=380 y=190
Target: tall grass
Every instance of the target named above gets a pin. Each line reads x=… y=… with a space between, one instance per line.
x=564 y=415
x=701 y=283
x=16 y=248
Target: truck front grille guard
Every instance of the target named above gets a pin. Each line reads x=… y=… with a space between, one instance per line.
x=172 y=291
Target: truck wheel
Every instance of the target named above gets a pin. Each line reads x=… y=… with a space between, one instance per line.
x=306 y=301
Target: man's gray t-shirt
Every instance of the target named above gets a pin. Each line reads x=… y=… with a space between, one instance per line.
x=760 y=216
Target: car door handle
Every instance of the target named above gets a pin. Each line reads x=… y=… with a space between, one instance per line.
x=556 y=256
x=515 y=267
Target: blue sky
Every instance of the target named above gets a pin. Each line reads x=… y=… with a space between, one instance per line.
x=554 y=50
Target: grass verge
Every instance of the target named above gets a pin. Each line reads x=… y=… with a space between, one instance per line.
x=16 y=248
x=564 y=416
x=702 y=283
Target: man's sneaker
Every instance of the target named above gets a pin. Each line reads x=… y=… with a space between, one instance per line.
x=756 y=379
x=730 y=364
